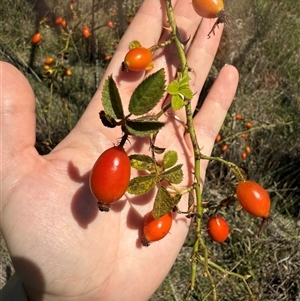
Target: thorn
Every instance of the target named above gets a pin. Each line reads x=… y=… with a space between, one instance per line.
x=168 y=28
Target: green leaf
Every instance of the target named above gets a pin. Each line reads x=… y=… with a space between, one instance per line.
x=184 y=81
x=163 y=203
x=170 y=158
x=187 y=93
x=173 y=175
x=184 y=87
x=148 y=93
x=180 y=91
x=173 y=87
x=143 y=162
x=141 y=128
x=177 y=102
x=134 y=44
x=142 y=184
x=176 y=199
x=111 y=99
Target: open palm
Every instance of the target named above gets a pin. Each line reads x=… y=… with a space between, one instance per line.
x=62 y=247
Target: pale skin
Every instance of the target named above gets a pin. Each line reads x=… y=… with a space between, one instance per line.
x=62 y=247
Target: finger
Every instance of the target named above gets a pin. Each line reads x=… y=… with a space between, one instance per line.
x=200 y=58
x=214 y=109
x=18 y=118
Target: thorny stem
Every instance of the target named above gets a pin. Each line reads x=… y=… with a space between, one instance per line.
x=161 y=45
x=206 y=270
x=225 y=272
x=172 y=22
x=239 y=174
x=193 y=137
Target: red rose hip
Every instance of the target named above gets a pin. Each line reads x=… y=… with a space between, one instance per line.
x=156 y=229
x=110 y=176
x=217 y=228
x=253 y=198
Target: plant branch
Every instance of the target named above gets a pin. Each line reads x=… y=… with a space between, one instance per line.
x=225 y=272
x=197 y=153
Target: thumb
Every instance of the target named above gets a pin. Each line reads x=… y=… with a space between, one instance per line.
x=17 y=119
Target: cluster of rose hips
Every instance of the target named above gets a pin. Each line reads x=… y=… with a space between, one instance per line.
x=70 y=29
x=224 y=146
x=253 y=198
x=53 y=68
x=110 y=186
x=37 y=37
x=248 y=125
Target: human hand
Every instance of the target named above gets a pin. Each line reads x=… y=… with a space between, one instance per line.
x=62 y=247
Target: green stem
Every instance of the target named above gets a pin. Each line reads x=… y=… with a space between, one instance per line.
x=206 y=270
x=226 y=272
x=161 y=45
x=193 y=137
x=67 y=43
x=172 y=22
x=238 y=172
